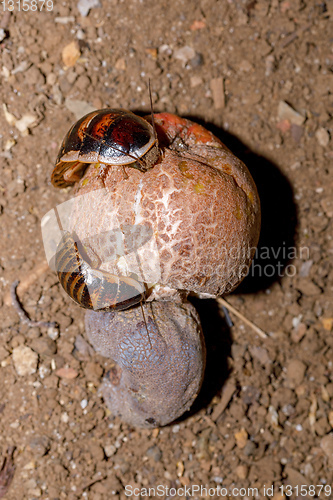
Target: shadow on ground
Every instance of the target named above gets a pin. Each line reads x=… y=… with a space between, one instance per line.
x=218 y=344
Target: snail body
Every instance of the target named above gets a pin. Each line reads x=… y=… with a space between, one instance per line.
x=111 y=137
x=93 y=288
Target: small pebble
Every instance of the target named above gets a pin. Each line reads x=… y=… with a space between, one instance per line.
x=109 y=450
x=249 y=448
x=40 y=445
x=327 y=323
x=25 y=360
x=295 y=371
x=327 y=205
x=82 y=346
x=245 y=66
x=66 y=373
x=2 y=34
x=71 y=76
x=241 y=438
x=70 y=54
x=308 y=287
x=83 y=82
x=26 y=122
x=197 y=60
x=155 y=453
x=44 y=371
x=120 y=64
x=242 y=471
x=286 y=112
x=326 y=445
x=261 y=354
x=84 y=6
x=33 y=76
x=322 y=137
x=44 y=346
x=184 y=54
x=195 y=81
x=78 y=108
x=64 y=417
x=65 y=19
x=84 y=404
x=53 y=333
x=305 y=268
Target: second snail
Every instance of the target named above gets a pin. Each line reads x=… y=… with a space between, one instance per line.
x=185 y=220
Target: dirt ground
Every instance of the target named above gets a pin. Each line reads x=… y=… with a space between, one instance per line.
x=257 y=74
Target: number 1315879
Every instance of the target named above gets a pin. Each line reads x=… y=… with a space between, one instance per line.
x=26 y=5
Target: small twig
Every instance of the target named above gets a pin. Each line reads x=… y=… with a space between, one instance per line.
x=254 y=327
x=21 y=312
x=7 y=471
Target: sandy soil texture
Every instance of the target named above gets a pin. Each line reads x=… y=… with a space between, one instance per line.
x=258 y=74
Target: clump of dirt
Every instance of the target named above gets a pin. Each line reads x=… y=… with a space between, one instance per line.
x=257 y=75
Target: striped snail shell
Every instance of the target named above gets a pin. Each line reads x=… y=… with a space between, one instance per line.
x=93 y=288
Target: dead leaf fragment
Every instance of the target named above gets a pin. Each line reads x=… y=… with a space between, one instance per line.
x=69 y=373
x=71 y=54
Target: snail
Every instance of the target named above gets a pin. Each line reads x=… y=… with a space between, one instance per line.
x=202 y=211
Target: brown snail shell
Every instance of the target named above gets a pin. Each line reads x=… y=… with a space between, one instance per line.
x=156 y=377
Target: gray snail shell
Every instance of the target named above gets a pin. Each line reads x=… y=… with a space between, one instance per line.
x=155 y=378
